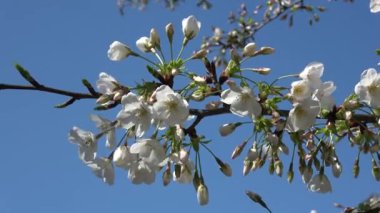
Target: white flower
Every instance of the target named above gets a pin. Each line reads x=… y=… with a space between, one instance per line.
x=324 y=95
x=144 y=44
x=242 y=101
x=313 y=73
x=123 y=158
x=106 y=84
x=190 y=27
x=149 y=151
x=368 y=89
x=170 y=108
x=118 y=51
x=141 y=172
x=319 y=183
x=103 y=168
x=249 y=49
x=302 y=115
x=86 y=142
x=105 y=126
x=135 y=112
x=186 y=174
x=374 y=5
x=300 y=90
x=202 y=194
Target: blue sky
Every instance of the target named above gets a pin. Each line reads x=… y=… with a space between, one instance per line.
x=62 y=42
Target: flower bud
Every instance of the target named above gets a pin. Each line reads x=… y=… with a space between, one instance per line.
x=278 y=167
x=199 y=79
x=144 y=44
x=225 y=168
x=265 y=51
x=227 y=129
x=237 y=151
x=190 y=27
x=200 y=54
x=169 y=32
x=249 y=49
x=356 y=169
x=155 y=39
x=175 y=71
x=290 y=173
x=166 y=176
x=202 y=194
x=261 y=70
x=198 y=95
x=247 y=167
x=118 y=51
x=336 y=169
x=103 y=99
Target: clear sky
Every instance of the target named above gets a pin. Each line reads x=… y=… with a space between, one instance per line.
x=61 y=42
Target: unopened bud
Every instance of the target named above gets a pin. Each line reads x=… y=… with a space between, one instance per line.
x=348 y=115
x=200 y=54
x=199 y=79
x=169 y=32
x=356 y=169
x=261 y=70
x=278 y=166
x=247 y=167
x=202 y=194
x=227 y=129
x=179 y=133
x=336 y=169
x=118 y=95
x=271 y=167
x=237 y=151
x=265 y=51
x=224 y=167
x=103 y=99
x=155 y=39
x=198 y=95
x=249 y=49
x=166 y=176
x=283 y=148
x=290 y=173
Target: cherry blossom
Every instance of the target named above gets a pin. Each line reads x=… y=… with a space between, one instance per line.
x=368 y=88
x=103 y=168
x=242 y=101
x=86 y=142
x=374 y=6
x=190 y=27
x=106 y=126
x=302 y=115
x=170 y=108
x=313 y=73
x=324 y=95
x=118 y=51
x=136 y=112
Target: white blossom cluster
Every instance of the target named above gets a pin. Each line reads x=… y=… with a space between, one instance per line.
x=160 y=108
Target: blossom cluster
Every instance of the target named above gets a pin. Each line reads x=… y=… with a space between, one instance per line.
x=156 y=116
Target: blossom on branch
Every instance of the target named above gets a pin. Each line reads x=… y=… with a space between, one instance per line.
x=242 y=101
x=374 y=6
x=136 y=112
x=190 y=27
x=118 y=51
x=303 y=115
x=170 y=108
x=103 y=168
x=86 y=142
x=368 y=88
